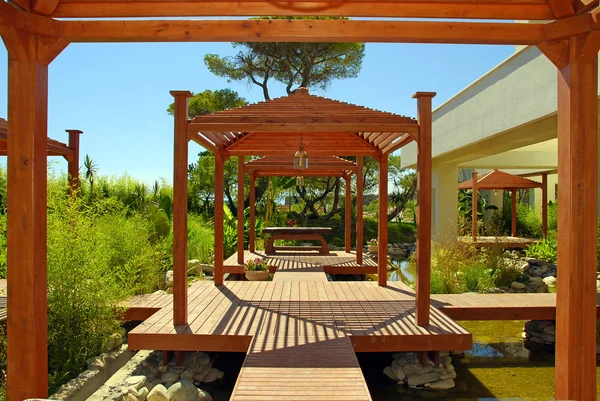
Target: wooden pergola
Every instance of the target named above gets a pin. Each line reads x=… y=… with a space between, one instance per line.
x=502 y=181
x=568 y=33
x=275 y=129
x=319 y=166
x=54 y=148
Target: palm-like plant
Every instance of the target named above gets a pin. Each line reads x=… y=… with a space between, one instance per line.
x=91 y=169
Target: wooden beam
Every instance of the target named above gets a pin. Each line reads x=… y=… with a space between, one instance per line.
x=45 y=7
x=49 y=48
x=359 y=209
x=382 y=225
x=252 y=211
x=200 y=140
x=27 y=371
x=424 y=193
x=218 y=217
x=513 y=212
x=316 y=124
x=474 y=208
x=240 y=211
x=24 y=4
x=545 y=204
x=348 y=216
x=561 y=8
x=73 y=167
x=575 y=375
x=303 y=31
x=556 y=51
x=180 y=207
x=525 y=10
x=405 y=140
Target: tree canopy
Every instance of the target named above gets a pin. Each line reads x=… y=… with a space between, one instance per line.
x=210 y=101
x=309 y=65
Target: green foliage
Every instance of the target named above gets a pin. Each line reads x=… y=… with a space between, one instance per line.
x=459 y=267
x=544 y=249
x=209 y=101
x=529 y=223
x=310 y=65
x=2 y=362
x=200 y=239
x=465 y=211
x=256 y=265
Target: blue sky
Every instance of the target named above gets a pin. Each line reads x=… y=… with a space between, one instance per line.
x=118 y=93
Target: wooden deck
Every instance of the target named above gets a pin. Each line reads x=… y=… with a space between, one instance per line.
x=336 y=262
x=3 y=294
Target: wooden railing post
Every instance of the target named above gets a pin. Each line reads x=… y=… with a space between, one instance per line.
x=27 y=330
x=513 y=194
x=240 y=211
x=359 y=210
x=424 y=190
x=577 y=221
x=383 y=222
x=348 y=207
x=219 y=233
x=474 y=207
x=545 y=204
x=252 y=211
x=73 y=161
x=180 y=207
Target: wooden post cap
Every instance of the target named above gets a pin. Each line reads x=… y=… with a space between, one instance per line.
x=181 y=93
x=301 y=91
x=424 y=94
x=74 y=131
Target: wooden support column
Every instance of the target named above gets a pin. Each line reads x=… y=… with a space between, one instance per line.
x=252 y=211
x=219 y=233
x=73 y=160
x=577 y=220
x=359 y=210
x=382 y=222
x=513 y=194
x=240 y=211
x=180 y=208
x=348 y=208
x=474 y=207
x=545 y=204
x=424 y=190
x=27 y=332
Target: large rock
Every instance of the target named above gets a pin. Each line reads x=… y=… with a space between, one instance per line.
x=517 y=285
x=415 y=369
x=159 y=393
x=183 y=391
x=192 y=266
x=390 y=373
x=419 y=380
x=135 y=381
x=169 y=279
x=550 y=281
x=204 y=396
x=398 y=370
x=442 y=384
x=169 y=377
x=214 y=375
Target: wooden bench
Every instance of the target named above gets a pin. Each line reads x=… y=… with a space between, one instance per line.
x=296 y=233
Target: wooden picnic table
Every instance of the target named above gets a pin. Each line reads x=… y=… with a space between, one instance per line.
x=296 y=233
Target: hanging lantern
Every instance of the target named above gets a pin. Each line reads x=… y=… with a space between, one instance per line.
x=301 y=158
x=300 y=181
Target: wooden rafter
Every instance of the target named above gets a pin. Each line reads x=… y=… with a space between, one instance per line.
x=319 y=166
x=497 y=179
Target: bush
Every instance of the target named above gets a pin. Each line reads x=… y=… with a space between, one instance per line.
x=545 y=249
x=200 y=239
x=529 y=223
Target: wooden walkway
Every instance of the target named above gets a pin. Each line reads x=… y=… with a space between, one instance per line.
x=3 y=299
x=337 y=262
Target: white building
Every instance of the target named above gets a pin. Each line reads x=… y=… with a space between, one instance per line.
x=506 y=120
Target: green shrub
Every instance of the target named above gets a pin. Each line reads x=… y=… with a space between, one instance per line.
x=545 y=249
x=200 y=239
x=529 y=223
x=2 y=362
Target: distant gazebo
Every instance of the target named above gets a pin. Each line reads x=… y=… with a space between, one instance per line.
x=499 y=180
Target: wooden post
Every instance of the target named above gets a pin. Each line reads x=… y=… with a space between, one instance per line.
x=545 y=204
x=73 y=168
x=252 y=211
x=219 y=245
x=240 y=211
x=577 y=222
x=474 y=207
x=513 y=193
x=359 y=210
x=180 y=208
x=27 y=371
x=382 y=223
x=348 y=216
x=424 y=190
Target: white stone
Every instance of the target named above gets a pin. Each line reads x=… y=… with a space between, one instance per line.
x=169 y=377
x=135 y=381
x=418 y=380
x=183 y=391
x=398 y=370
x=442 y=384
x=188 y=374
x=445 y=360
x=162 y=368
x=389 y=372
x=214 y=375
x=415 y=369
x=204 y=396
x=169 y=279
x=159 y=393
x=517 y=285
x=550 y=281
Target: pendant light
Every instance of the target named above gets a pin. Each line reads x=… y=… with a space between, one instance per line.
x=301 y=157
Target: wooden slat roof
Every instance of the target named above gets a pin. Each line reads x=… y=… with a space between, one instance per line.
x=497 y=179
x=323 y=166
x=325 y=127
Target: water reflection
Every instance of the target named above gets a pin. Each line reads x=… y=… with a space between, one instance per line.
x=402 y=271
